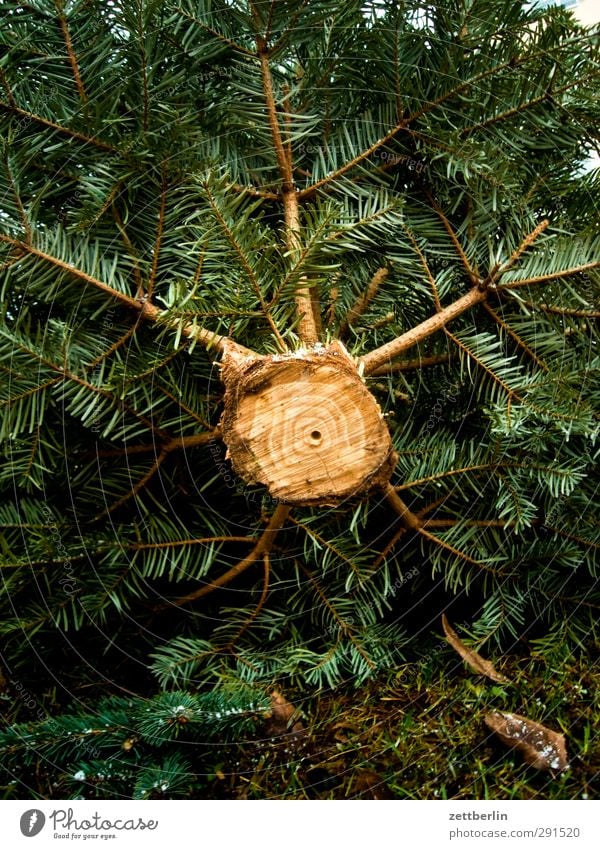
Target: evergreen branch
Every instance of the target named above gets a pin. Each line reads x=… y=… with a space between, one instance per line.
x=176 y=443
x=17 y=197
x=548 y=97
x=456 y=551
x=322 y=541
x=388 y=547
x=35 y=443
x=118 y=343
x=143 y=65
x=289 y=29
x=59 y=128
x=510 y=392
x=544 y=278
x=64 y=28
x=4 y=83
x=473 y=276
x=173 y=445
x=218 y=35
x=300 y=258
x=307 y=327
x=450 y=473
x=182 y=406
x=261 y=603
x=137 y=274
x=28 y=393
x=345 y=627
x=246 y=266
x=309 y=192
x=403 y=124
x=554 y=310
x=526 y=243
x=254 y=191
x=382 y=355
x=263 y=546
x=515 y=336
x=66 y=374
x=427 y=269
x=587 y=543
x=158 y=241
x=470 y=523
x=412 y=365
x=184 y=543
x=413 y=523
x=362 y=302
x=148 y=311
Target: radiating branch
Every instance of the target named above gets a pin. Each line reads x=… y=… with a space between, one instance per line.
x=207 y=338
x=547 y=278
x=471 y=272
x=307 y=327
x=526 y=243
x=174 y=444
x=51 y=125
x=364 y=299
x=263 y=546
x=412 y=522
x=556 y=310
x=64 y=28
x=412 y=365
x=515 y=336
x=383 y=355
x=259 y=606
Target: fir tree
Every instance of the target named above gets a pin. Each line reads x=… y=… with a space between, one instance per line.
x=368 y=206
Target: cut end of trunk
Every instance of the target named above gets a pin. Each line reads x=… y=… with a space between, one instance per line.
x=305 y=426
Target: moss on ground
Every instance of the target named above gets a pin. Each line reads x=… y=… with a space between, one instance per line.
x=420 y=734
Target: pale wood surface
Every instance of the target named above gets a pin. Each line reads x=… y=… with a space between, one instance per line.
x=305 y=426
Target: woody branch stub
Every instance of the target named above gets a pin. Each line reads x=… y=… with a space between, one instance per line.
x=304 y=425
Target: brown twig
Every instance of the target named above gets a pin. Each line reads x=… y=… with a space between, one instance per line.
x=173 y=445
x=413 y=523
x=262 y=547
x=383 y=355
x=259 y=606
x=64 y=28
x=516 y=110
x=150 y=312
x=307 y=327
x=545 y=278
x=22 y=113
x=526 y=243
x=409 y=519
x=412 y=365
x=363 y=300
x=554 y=310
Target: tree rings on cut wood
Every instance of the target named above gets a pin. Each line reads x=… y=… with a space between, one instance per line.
x=305 y=426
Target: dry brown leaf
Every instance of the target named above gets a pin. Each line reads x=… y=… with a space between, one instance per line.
x=280 y=709
x=475 y=660
x=279 y=716
x=540 y=746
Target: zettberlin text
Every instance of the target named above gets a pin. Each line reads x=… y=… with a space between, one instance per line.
x=475 y=815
